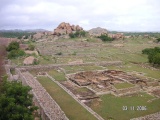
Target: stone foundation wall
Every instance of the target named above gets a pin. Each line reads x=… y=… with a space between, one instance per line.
x=128 y=91
x=54 y=66
x=74 y=97
x=48 y=108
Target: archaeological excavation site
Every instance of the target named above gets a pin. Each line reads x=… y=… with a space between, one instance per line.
x=77 y=75
x=86 y=88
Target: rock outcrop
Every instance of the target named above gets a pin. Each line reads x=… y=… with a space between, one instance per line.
x=62 y=31
x=38 y=35
x=66 y=28
x=29 y=60
x=117 y=36
x=97 y=31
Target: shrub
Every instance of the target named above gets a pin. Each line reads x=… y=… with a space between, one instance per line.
x=156 y=58
x=104 y=38
x=158 y=39
x=26 y=37
x=147 y=51
x=71 y=35
x=153 y=55
x=77 y=34
x=59 y=53
x=31 y=47
x=16 y=102
x=74 y=53
x=15 y=53
x=36 y=62
x=13 y=46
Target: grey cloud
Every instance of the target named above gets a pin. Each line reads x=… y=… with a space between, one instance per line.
x=124 y=15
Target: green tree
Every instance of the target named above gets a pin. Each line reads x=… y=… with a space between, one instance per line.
x=105 y=37
x=14 y=51
x=26 y=37
x=13 y=46
x=147 y=51
x=153 y=55
x=78 y=34
x=156 y=58
x=158 y=39
x=15 y=54
x=16 y=102
x=71 y=35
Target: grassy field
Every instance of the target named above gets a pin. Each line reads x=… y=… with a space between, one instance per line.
x=93 y=50
x=59 y=76
x=123 y=85
x=72 y=109
x=74 y=69
x=133 y=67
x=112 y=107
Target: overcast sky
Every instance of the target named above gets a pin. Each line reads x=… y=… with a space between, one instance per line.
x=124 y=15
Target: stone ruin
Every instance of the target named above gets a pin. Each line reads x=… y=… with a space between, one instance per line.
x=48 y=108
x=102 y=82
x=97 y=83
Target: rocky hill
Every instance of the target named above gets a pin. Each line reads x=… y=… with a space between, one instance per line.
x=66 y=28
x=97 y=31
x=62 y=31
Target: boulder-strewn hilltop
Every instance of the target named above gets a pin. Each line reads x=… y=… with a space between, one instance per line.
x=66 y=28
x=98 y=31
x=62 y=31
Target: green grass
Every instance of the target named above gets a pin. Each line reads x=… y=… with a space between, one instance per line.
x=83 y=89
x=72 y=109
x=59 y=76
x=132 y=67
x=123 y=85
x=111 y=106
x=73 y=69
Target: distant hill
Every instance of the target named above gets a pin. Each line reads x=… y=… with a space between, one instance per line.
x=98 y=31
x=27 y=30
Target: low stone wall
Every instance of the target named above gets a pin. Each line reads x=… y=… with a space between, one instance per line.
x=48 y=108
x=74 y=97
x=51 y=66
x=128 y=91
x=155 y=116
x=109 y=63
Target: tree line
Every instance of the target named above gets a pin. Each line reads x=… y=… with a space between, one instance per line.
x=14 y=34
x=153 y=55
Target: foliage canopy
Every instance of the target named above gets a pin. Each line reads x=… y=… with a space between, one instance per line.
x=105 y=37
x=153 y=55
x=16 y=102
x=14 y=51
x=77 y=34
